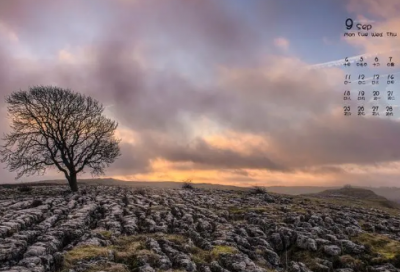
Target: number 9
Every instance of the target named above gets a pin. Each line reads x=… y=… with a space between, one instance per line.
x=349 y=23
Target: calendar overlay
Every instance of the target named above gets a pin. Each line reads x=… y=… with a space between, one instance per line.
x=371 y=82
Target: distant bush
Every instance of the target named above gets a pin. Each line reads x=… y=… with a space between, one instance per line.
x=187 y=185
x=257 y=190
x=24 y=189
x=140 y=191
x=348 y=186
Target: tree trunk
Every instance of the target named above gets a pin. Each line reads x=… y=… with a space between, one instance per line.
x=73 y=182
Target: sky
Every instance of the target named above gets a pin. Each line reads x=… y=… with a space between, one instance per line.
x=239 y=92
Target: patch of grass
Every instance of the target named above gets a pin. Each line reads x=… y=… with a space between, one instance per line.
x=177 y=239
x=298 y=255
x=297 y=208
x=350 y=262
x=200 y=256
x=383 y=205
x=83 y=253
x=309 y=258
x=106 y=233
x=129 y=247
x=259 y=209
x=131 y=251
x=126 y=240
x=159 y=208
x=217 y=250
x=240 y=222
x=108 y=268
x=385 y=247
x=305 y=256
x=238 y=210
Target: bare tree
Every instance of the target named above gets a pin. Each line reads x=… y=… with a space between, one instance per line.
x=54 y=127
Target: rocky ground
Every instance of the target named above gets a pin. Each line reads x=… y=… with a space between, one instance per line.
x=102 y=228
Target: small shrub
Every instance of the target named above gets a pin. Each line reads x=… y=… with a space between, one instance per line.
x=110 y=267
x=187 y=185
x=257 y=190
x=140 y=191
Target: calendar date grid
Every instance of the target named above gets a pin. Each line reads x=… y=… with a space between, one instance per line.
x=366 y=87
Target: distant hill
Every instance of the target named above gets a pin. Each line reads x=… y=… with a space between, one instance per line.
x=356 y=195
x=297 y=190
x=135 y=184
x=351 y=192
x=391 y=193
